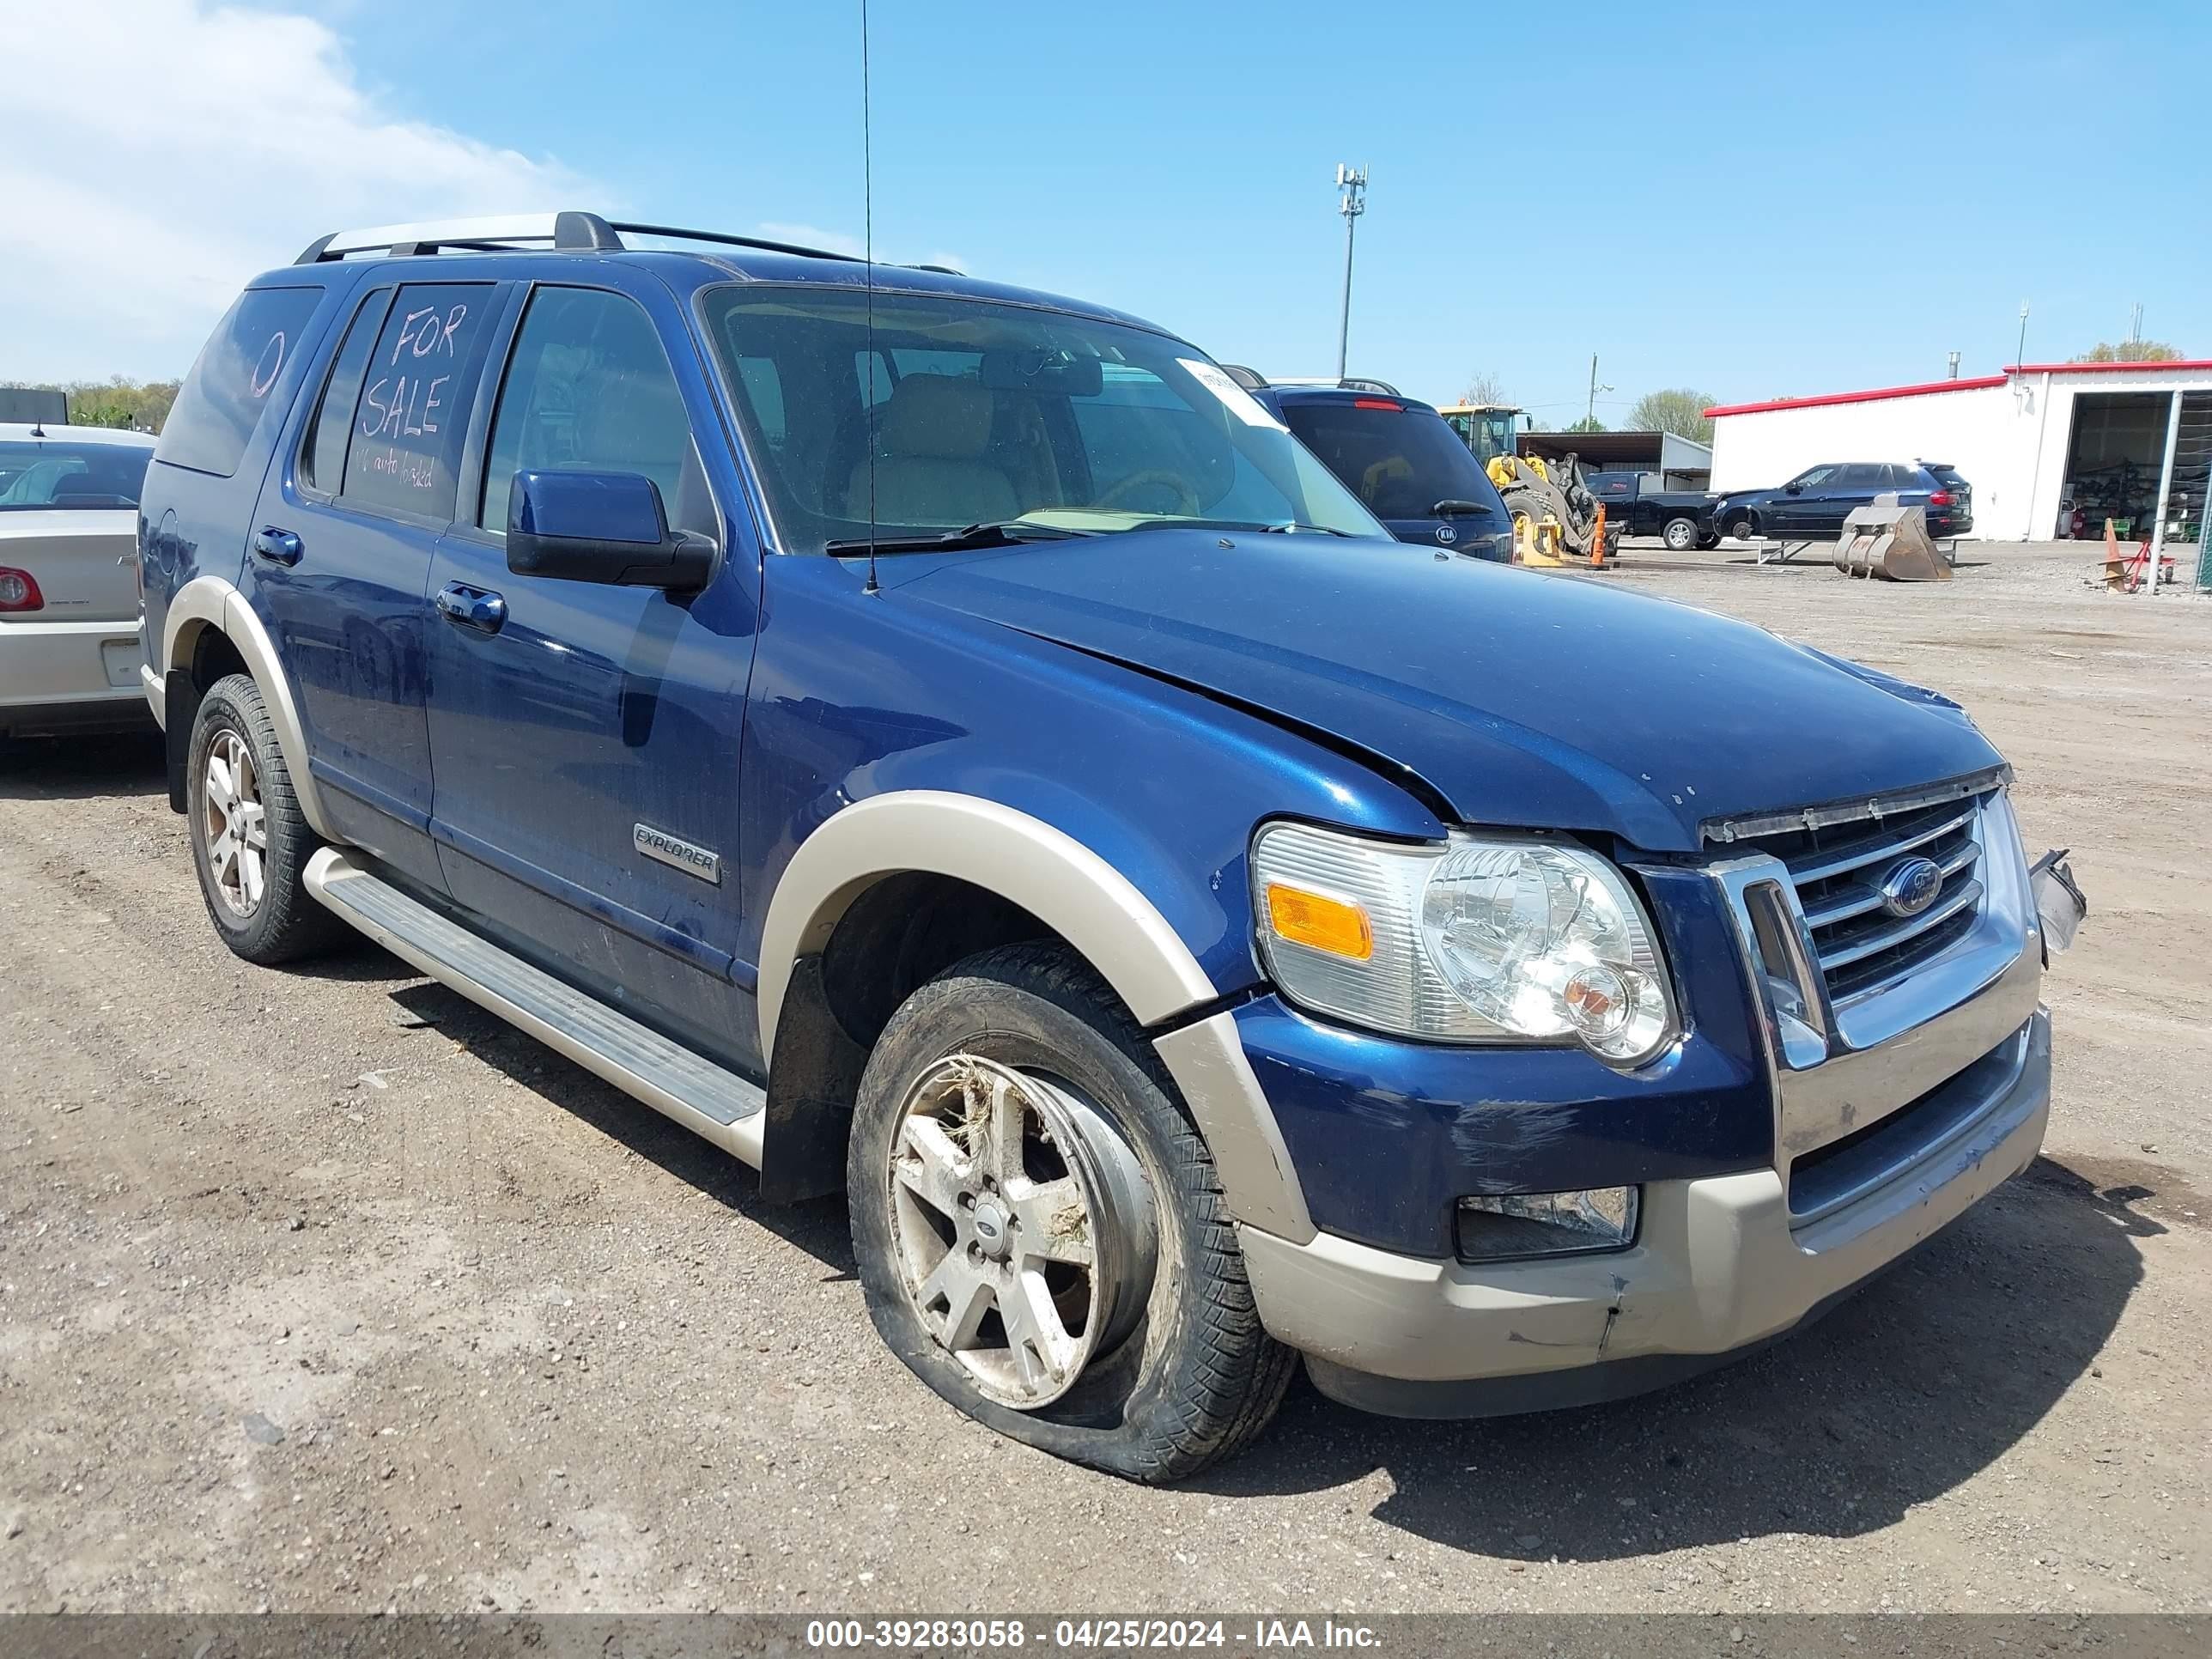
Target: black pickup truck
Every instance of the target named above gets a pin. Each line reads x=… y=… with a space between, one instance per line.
x=1683 y=519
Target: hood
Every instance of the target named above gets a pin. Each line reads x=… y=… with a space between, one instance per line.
x=1517 y=698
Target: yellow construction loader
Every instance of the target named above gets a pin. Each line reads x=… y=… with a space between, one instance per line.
x=1555 y=520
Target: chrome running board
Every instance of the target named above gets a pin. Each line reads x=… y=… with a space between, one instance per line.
x=704 y=1097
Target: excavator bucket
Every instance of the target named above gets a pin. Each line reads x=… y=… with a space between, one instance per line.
x=1890 y=542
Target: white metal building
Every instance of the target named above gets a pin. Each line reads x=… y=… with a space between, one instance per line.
x=2047 y=447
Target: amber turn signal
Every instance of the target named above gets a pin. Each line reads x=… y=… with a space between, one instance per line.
x=1319 y=922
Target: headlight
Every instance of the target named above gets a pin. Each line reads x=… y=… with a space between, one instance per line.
x=1486 y=939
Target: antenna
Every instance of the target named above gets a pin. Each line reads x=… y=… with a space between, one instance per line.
x=868 y=253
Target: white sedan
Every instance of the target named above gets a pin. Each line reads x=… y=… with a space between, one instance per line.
x=69 y=579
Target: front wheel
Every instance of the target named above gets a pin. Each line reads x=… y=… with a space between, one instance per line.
x=1744 y=530
x=1681 y=535
x=1039 y=1230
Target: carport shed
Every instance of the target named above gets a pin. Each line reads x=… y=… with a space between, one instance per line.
x=1663 y=460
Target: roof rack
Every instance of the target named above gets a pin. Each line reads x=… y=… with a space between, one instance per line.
x=566 y=233
x=1347 y=383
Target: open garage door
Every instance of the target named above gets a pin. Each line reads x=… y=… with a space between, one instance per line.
x=2113 y=463
x=2116 y=455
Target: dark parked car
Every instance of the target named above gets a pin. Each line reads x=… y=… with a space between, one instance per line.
x=1813 y=504
x=1398 y=456
x=1683 y=519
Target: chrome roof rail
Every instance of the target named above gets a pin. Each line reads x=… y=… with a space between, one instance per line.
x=566 y=232
x=1344 y=383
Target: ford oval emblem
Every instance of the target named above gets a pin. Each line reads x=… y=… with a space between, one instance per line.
x=1911 y=886
x=1447 y=534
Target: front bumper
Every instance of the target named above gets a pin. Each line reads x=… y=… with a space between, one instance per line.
x=70 y=677
x=1718 y=1269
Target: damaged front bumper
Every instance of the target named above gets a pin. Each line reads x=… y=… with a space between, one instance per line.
x=1720 y=1266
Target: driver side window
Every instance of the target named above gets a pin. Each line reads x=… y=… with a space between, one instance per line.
x=588 y=389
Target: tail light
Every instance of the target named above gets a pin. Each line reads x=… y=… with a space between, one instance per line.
x=19 y=591
x=1378 y=403
x=1941 y=498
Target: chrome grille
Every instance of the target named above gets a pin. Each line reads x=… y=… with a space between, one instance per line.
x=1837 y=871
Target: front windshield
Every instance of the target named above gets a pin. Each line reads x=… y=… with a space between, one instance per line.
x=991 y=414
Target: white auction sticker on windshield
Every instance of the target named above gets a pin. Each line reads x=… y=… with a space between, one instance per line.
x=1242 y=403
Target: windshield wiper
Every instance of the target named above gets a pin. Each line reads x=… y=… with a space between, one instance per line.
x=1450 y=509
x=1302 y=529
x=1008 y=532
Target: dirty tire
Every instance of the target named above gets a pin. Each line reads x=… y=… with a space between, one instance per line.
x=1197 y=1378
x=287 y=924
x=1681 y=535
x=1709 y=541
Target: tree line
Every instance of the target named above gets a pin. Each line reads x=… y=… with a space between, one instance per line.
x=133 y=406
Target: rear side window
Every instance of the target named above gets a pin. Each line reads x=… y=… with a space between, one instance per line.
x=45 y=475
x=224 y=397
x=417 y=387
x=322 y=466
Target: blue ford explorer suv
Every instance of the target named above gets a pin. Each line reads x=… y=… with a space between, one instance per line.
x=953 y=744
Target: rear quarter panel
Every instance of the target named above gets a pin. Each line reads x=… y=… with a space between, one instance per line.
x=197 y=524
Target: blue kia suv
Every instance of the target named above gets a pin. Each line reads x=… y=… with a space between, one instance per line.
x=952 y=745
x=1397 y=454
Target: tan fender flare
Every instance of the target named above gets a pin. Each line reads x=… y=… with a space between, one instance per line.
x=1086 y=900
x=208 y=602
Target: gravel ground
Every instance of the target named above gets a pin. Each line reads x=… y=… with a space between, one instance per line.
x=320 y=1290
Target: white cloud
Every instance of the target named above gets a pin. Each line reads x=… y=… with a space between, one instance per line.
x=221 y=142
x=829 y=241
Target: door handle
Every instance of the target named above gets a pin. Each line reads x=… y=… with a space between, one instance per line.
x=277 y=546
x=471 y=607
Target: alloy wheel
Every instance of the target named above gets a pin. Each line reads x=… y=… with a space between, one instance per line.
x=235 y=824
x=1024 y=1226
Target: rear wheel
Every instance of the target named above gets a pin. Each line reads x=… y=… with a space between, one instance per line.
x=250 y=841
x=1681 y=535
x=1039 y=1230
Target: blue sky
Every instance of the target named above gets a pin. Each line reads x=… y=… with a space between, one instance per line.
x=1751 y=199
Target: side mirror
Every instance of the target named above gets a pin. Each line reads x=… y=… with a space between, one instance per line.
x=604 y=527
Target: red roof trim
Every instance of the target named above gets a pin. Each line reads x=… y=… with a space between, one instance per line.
x=1978 y=383
x=2197 y=365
